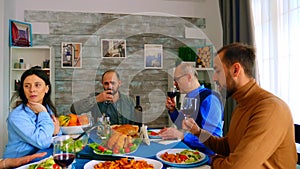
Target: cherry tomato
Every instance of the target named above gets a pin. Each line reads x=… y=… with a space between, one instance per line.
x=116 y=151
x=127 y=150
x=130 y=144
x=40 y=168
x=55 y=166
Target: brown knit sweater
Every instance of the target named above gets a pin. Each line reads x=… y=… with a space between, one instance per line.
x=260 y=136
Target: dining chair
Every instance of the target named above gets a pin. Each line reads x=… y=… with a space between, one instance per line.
x=297 y=140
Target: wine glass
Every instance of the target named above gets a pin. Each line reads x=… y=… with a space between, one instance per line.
x=188 y=107
x=172 y=92
x=64 y=150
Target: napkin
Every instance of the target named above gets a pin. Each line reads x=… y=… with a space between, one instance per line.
x=144 y=134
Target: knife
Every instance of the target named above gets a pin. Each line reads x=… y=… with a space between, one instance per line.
x=101 y=157
x=85 y=132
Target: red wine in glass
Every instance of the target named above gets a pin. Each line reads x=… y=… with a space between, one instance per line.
x=63 y=150
x=172 y=94
x=64 y=160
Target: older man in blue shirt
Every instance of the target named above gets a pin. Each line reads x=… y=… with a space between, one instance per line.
x=209 y=113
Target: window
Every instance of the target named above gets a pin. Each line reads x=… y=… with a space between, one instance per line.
x=277 y=38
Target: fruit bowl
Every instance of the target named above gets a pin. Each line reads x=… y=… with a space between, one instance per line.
x=73 y=129
x=74 y=124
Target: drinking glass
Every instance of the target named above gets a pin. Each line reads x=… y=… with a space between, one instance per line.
x=63 y=150
x=188 y=107
x=172 y=92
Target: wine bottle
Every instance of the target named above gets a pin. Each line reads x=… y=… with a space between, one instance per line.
x=138 y=111
x=138 y=107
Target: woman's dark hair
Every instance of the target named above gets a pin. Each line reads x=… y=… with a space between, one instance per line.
x=43 y=75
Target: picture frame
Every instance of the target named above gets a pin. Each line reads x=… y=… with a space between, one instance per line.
x=153 y=56
x=71 y=55
x=204 y=56
x=113 y=48
x=20 y=33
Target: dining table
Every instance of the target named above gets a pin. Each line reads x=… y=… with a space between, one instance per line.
x=144 y=150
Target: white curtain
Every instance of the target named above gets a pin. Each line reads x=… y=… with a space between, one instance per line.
x=277 y=41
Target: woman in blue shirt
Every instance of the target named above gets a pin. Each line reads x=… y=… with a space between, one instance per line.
x=32 y=124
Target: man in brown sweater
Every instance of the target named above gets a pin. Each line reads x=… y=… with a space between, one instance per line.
x=261 y=132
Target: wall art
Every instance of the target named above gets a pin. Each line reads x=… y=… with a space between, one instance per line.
x=71 y=55
x=153 y=56
x=113 y=48
x=20 y=33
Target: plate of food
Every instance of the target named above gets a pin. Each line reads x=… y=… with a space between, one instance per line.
x=116 y=148
x=138 y=161
x=184 y=158
x=154 y=133
x=122 y=140
x=47 y=163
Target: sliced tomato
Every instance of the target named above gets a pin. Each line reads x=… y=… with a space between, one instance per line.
x=183 y=157
x=153 y=133
x=40 y=168
x=101 y=148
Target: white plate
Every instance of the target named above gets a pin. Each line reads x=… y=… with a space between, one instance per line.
x=156 y=164
x=73 y=129
x=201 y=161
x=27 y=165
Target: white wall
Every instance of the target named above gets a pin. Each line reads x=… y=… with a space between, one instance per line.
x=14 y=9
x=6 y=11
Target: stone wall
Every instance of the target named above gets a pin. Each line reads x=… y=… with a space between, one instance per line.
x=89 y=28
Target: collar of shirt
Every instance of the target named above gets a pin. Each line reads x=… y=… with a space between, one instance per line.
x=194 y=93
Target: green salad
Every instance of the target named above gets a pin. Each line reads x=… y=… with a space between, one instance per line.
x=47 y=164
x=191 y=156
x=78 y=145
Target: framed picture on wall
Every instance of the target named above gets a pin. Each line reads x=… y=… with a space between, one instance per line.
x=204 y=56
x=153 y=56
x=71 y=56
x=113 y=48
x=20 y=33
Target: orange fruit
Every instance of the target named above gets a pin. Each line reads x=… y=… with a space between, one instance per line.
x=73 y=119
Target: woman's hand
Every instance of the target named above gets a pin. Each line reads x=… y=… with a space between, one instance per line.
x=56 y=125
x=36 y=107
x=190 y=125
x=16 y=162
x=171 y=133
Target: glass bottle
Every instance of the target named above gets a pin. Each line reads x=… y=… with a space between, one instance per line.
x=138 y=110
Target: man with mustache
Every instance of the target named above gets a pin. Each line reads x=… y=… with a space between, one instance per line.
x=111 y=102
x=261 y=131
